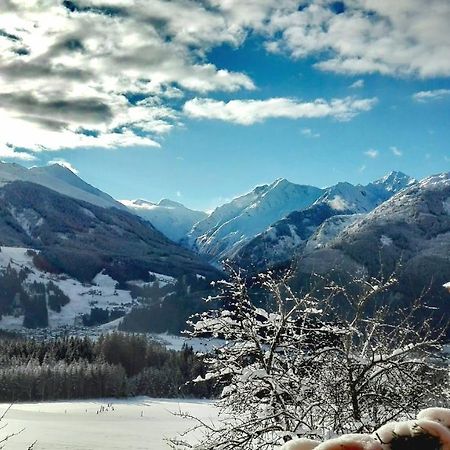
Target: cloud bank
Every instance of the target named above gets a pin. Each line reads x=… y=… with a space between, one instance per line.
x=248 y=112
x=401 y=37
x=112 y=73
x=90 y=73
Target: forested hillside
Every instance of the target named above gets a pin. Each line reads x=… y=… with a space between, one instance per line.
x=115 y=365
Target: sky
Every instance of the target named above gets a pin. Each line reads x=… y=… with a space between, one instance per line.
x=200 y=101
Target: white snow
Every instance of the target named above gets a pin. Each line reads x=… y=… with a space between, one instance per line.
x=446 y=205
x=351 y=442
x=174 y=342
x=329 y=230
x=101 y=279
x=136 y=424
x=171 y=218
x=83 y=297
x=434 y=180
x=385 y=240
x=17 y=256
x=162 y=279
x=233 y=224
x=441 y=415
x=59 y=179
x=300 y=444
x=338 y=203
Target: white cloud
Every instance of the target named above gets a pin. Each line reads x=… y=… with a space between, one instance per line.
x=248 y=112
x=358 y=84
x=372 y=153
x=95 y=73
x=396 y=151
x=8 y=152
x=402 y=37
x=309 y=133
x=64 y=163
x=107 y=73
x=428 y=96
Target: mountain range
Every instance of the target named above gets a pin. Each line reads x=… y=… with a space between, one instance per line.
x=72 y=229
x=408 y=234
x=282 y=239
x=229 y=227
x=171 y=218
x=62 y=238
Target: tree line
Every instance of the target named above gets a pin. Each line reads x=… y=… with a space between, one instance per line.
x=115 y=365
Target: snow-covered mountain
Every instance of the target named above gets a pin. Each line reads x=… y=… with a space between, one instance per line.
x=231 y=225
x=81 y=239
x=409 y=233
x=59 y=179
x=282 y=239
x=171 y=218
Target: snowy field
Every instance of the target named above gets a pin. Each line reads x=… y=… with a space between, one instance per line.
x=138 y=423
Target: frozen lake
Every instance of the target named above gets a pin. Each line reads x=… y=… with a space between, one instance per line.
x=137 y=423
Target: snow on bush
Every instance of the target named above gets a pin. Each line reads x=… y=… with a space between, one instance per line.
x=429 y=431
x=300 y=444
x=441 y=415
x=293 y=366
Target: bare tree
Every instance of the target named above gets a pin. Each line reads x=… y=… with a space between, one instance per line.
x=6 y=437
x=334 y=360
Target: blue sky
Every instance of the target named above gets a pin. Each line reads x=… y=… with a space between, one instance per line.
x=315 y=109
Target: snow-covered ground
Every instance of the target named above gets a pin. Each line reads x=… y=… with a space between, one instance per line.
x=137 y=423
x=174 y=342
x=102 y=293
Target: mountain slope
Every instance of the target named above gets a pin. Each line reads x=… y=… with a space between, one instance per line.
x=230 y=226
x=33 y=297
x=81 y=239
x=411 y=229
x=279 y=242
x=173 y=219
x=59 y=179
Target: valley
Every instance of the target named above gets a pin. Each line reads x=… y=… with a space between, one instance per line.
x=137 y=423
x=71 y=256
x=234 y=211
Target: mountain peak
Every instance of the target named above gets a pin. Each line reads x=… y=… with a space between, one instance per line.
x=170 y=203
x=280 y=182
x=395 y=181
x=58 y=166
x=439 y=179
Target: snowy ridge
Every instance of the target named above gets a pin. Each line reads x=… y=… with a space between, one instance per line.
x=329 y=230
x=405 y=203
x=59 y=179
x=171 y=218
x=286 y=237
x=408 y=234
x=230 y=226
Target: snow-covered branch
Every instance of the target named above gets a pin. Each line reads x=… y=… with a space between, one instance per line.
x=333 y=360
